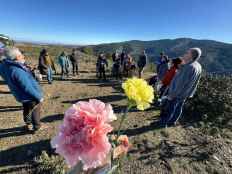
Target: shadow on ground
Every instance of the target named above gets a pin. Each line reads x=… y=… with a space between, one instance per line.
x=12 y=132
x=52 y=118
x=2 y=82
x=106 y=99
x=10 y=108
x=23 y=154
x=139 y=130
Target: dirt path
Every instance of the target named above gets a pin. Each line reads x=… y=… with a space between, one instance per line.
x=151 y=147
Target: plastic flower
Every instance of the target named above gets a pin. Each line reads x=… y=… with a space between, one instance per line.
x=139 y=93
x=123 y=146
x=83 y=134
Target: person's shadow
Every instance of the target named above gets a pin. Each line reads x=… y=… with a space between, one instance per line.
x=22 y=154
x=13 y=132
x=10 y=108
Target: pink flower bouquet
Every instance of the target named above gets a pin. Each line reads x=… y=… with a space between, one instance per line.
x=82 y=137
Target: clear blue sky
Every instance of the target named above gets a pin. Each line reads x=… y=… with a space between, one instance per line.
x=97 y=21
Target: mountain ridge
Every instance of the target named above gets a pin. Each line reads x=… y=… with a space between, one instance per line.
x=217 y=56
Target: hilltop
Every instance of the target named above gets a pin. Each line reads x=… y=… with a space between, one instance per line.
x=217 y=56
x=201 y=143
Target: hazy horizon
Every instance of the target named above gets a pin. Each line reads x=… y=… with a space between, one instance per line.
x=83 y=44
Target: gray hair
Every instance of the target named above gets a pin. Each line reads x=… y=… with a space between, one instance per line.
x=196 y=53
x=12 y=53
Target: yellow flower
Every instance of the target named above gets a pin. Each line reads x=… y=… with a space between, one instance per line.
x=139 y=93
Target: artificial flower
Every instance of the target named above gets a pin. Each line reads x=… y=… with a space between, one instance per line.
x=82 y=136
x=139 y=93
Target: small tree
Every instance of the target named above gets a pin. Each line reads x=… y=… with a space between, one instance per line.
x=88 y=50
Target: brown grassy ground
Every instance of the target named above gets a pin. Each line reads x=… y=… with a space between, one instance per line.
x=173 y=150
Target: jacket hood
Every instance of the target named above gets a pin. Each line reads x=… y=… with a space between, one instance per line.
x=10 y=62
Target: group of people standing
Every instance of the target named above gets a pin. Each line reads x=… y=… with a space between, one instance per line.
x=123 y=65
x=47 y=66
x=178 y=81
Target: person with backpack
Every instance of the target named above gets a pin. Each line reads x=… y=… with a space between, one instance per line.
x=23 y=86
x=102 y=64
x=182 y=87
x=74 y=58
x=46 y=65
x=142 y=62
x=64 y=64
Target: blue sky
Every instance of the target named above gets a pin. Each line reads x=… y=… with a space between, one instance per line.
x=98 y=21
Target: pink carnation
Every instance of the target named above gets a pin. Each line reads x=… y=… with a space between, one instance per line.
x=83 y=134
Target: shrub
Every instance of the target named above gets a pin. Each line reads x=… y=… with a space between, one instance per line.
x=212 y=103
x=49 y=165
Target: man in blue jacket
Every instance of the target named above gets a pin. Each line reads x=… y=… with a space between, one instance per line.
x=182 y=87
x=23 y=86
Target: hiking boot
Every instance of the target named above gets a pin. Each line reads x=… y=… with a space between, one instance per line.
x=27 y=128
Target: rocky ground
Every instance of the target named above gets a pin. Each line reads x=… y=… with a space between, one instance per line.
x=183 y=149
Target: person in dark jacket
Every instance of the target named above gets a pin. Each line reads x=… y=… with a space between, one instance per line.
x=23 y=86
x=183 y=86
x=142 y=62
x=46 y=65
x=162 y=66
x=74 y=58
x=122 y=57
x=102 y=64
x=116 y=69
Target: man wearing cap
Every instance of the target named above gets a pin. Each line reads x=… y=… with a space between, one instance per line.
x=23 y=86
x=182 y=87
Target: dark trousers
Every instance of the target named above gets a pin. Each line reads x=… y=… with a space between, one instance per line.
x=75 y=68
x=31 y=113
x=163 y=91
x=117 y=71
x=140 y=71
x=171 y=111
x=102 y=73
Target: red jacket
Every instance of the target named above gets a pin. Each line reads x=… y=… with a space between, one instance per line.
x=169 y=76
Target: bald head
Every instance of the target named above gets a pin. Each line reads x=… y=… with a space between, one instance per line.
x=196 y=53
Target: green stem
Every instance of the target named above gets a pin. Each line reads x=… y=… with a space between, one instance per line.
x=122 y=120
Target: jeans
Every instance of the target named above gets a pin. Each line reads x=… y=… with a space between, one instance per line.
x=64 y=71
x=75 y=68
x=49 y=74
x=30 y=116
x=171 y=111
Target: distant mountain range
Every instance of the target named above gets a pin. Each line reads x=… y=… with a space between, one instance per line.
x=217 y=56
